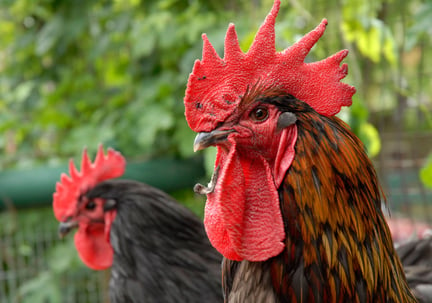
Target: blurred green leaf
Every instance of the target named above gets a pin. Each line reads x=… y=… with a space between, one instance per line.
x=373 y=39
x=185 y=136
x=370 y=137
x=422 y=25
x=357 y=117
x=49 y=35
x=426 y=172
x=209 y=160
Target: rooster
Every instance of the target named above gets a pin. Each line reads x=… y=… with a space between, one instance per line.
x=294 y=203
x=158 y=249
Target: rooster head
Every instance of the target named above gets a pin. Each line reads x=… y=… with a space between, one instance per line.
x=92 y=217
x=227 y=102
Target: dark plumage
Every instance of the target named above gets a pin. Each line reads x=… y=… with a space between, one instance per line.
x=157 y=249
x=161 y=251
x=416 y=257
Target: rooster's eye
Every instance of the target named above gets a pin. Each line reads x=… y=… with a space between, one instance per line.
x=259 y=114
x=91 y=205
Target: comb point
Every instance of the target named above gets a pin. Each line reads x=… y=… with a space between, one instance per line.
x=85 y=163
x=264 y=42
x=232 y=51
x=100 y=157
x=68 y=190
x=73 y=170
x=209 y=53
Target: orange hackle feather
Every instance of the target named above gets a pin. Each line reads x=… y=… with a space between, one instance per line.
x=68 y=190
x=331 y=202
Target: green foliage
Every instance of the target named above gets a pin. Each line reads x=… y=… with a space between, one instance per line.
x=209 y=160
x=426 y=172
x=357 y=117
x=371 y=35
x=422 y=27
x=73 y=74
x=111 y=72
x=78 y=73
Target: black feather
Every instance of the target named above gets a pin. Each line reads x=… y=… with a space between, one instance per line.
x=416 y=257
x=161 y=251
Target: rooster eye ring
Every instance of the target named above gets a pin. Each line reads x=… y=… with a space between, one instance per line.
x=91 y=205
x=259 y=114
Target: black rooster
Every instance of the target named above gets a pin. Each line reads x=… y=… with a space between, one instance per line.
x=158 y=249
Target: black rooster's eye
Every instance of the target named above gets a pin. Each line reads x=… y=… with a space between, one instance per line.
x=259 y=114
x=91 y=205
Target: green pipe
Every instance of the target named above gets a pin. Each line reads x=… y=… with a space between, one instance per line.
x=34 y=187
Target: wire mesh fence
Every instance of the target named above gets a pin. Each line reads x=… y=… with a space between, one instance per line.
x=36 y=266
x=398 y=165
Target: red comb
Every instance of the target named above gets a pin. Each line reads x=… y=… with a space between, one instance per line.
x=111 y=165
x=216 y=85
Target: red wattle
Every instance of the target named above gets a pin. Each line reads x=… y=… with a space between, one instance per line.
x=93 y=248
x=242 y=216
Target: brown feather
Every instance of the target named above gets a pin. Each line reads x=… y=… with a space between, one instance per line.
x=339 y=247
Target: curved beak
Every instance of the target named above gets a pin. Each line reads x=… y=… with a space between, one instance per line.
x=204 y=139
x=65 y=227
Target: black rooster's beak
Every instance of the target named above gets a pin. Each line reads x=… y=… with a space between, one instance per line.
x=65 y=227
x=204 y=140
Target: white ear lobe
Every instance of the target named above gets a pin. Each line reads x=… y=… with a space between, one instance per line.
x=286 y=119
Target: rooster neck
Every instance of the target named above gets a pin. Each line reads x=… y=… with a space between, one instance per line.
x=247 y=281
x=338 y=246
x=331 y=183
